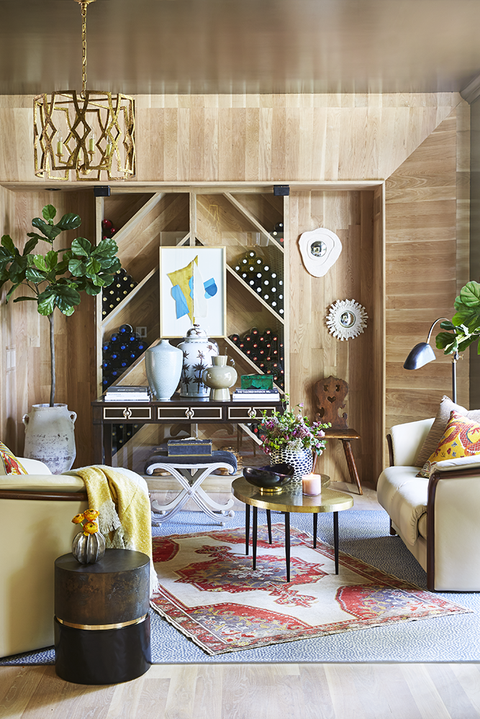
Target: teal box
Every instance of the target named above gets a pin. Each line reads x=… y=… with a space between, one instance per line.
x=256 y=381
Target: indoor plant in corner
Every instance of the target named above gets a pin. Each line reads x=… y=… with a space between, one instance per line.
x=55 y=280
x=464 y=327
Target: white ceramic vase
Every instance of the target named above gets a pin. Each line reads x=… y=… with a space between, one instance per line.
x=220 y=377
x=50 y=436
x=163 y=364
x=198 y=352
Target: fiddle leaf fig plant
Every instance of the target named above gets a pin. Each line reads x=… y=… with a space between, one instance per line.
x=464 y=327
x=56 y=279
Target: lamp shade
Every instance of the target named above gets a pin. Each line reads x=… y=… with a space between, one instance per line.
x=419 y=356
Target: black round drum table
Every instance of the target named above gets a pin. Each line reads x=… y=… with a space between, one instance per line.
x=102 y=625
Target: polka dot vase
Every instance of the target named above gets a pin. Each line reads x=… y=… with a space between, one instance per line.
x=301 y=461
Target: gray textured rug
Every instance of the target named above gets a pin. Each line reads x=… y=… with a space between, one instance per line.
x=363 y=534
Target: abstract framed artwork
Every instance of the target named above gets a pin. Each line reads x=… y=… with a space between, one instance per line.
x=192 y=290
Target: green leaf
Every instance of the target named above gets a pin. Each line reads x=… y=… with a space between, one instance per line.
x=50 y=231
x=82 y=247
x=51 y=260
x=92 y=290
x=67 y=310
x=35 y=275
x=30 y=245
x=447 y=325
x=470 y=294
x=69 y=221
x=49 y=213
x=7 y=242
x=12 y=290
x=67 y=293
x=36 y=236
x=40 y=263
x=107 y=248
x=77 y=268
x=93 y=267
x=46 y=305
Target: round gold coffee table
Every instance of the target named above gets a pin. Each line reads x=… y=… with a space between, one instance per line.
x=289 y=501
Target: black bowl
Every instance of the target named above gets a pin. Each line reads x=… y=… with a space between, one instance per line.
x=269 y=479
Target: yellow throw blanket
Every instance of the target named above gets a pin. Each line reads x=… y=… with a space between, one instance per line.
x=124 y=506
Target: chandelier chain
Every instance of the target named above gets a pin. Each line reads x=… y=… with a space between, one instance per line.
x=84 y=48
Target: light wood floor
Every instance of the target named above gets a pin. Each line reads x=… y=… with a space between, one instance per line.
x=254 y=691
x=239 y=691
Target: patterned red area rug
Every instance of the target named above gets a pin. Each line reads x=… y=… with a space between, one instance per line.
x=209 y=591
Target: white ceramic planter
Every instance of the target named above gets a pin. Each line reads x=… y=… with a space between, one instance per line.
x=50 y=436
x=163 y=364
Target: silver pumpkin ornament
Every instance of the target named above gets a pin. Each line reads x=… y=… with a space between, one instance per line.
x=88 y=549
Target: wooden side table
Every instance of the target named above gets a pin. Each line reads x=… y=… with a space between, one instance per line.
x=289 y=501
x=102 y=625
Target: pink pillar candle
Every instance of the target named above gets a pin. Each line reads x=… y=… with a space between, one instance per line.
x=312 y=484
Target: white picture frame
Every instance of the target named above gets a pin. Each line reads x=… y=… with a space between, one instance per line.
x=204 y=269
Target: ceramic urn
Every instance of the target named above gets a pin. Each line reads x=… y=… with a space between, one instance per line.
x=163 y=365
x=220 y=377
x=198 y=352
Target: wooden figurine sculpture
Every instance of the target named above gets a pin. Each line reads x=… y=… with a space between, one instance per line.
x=330 y=397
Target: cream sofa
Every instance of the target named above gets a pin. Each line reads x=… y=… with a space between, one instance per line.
x=438 y=518
x=36 y=512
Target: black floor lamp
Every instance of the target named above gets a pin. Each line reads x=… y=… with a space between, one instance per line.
x=423 y=353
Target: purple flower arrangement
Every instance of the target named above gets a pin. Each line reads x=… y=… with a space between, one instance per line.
x=291 y=430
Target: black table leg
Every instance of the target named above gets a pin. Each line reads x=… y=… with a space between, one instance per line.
x=269 y=525
x=315 y=526
x=335 y=539
x=255 y=513
x=247 y=529
x=287 y=543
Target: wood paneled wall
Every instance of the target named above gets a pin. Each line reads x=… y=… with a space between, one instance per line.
x=255 y=138
x=426 y=265
x=276 y=139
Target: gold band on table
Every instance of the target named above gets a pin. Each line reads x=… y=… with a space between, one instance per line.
x=91 y=627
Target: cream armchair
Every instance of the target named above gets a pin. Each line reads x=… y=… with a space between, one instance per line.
x=437 y=518
x=36 y=511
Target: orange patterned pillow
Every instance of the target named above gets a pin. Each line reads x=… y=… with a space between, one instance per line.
x=9 y=464
x=461 y=438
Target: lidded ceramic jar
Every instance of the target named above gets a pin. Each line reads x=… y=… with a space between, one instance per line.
x=220 y=377
x=198 y=352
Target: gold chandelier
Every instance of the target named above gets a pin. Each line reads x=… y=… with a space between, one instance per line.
x=87 y=133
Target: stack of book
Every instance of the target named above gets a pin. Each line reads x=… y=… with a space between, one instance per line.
x=127 y=393
x=256 y=395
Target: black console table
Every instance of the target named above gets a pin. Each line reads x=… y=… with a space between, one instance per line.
x=177 y=410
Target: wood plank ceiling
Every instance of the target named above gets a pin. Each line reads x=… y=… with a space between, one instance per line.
x=241 y=46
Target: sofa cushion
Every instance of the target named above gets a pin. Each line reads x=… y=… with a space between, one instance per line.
x=404 y=496
x=438 y=427
x=9 y=464
x=461 y=438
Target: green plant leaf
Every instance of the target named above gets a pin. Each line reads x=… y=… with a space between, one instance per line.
x=12 y=290
x=93 y=267
x=49 y=213
x=470 y=294
x=66 y=293
x=46 y=304
x=37 y=236
x=69 y=221
x=77 y=267
x=92 y=290
x=7 y=242
x=50 y=231
x=35 y=275
x=40 y=263
x=51 y=260
x=107 y=248
x=82 y=247
x=30 y=245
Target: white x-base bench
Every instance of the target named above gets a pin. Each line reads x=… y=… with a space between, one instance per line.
x=190 y=475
